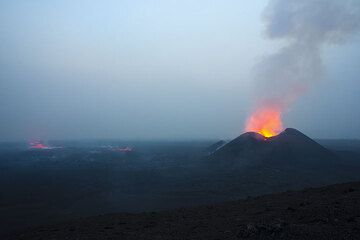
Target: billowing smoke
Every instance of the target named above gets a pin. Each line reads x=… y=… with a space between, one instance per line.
x=303 y=27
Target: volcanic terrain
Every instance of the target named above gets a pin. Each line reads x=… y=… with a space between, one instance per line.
x=289 y=147
x=331 y=212
x=289 y=159
x=82 y=182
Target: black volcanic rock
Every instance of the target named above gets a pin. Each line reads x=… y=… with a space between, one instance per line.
x=323 y=213
x=289 y=147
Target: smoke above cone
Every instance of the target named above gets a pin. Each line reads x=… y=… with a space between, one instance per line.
x=304 y=28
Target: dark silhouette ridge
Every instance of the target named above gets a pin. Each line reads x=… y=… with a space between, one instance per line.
x=289 y=147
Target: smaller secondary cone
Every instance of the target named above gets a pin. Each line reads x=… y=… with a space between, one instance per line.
x=290 y=146
x=214 y=147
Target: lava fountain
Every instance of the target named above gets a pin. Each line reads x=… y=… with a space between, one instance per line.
x=265 y=121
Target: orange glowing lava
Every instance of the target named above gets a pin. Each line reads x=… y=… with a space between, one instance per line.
x=266 y=121
x=37 y=145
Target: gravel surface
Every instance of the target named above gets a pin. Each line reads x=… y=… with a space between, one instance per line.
x=331 y=212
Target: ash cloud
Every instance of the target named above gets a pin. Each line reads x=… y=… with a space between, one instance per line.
x=304 y=27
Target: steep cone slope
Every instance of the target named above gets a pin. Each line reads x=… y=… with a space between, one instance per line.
x=289 y=147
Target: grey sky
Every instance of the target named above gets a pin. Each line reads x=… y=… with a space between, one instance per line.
x=153 y=70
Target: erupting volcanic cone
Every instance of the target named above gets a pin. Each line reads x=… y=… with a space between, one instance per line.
x=289 y=146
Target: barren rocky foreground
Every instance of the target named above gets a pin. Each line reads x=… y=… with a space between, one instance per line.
x=331 y=212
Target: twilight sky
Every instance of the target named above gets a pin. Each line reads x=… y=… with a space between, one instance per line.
x=162 y=69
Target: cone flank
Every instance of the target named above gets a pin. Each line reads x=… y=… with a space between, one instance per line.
x=289 y=145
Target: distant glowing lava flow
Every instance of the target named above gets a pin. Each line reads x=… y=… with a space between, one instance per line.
x=266 y=121
x=37 y=145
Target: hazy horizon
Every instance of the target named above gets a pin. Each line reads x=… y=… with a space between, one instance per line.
x=174 y=70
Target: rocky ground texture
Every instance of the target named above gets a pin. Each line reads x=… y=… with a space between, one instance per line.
x=331 y=212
